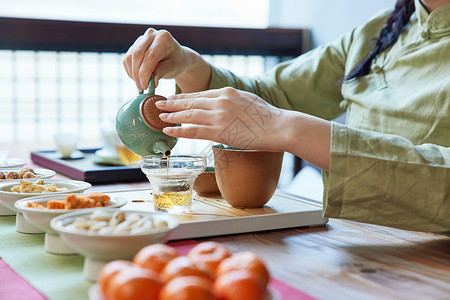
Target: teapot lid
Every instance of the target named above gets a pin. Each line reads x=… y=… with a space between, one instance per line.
x=150 y=113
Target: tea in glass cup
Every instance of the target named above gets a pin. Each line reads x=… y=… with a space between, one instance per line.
x=172 y=179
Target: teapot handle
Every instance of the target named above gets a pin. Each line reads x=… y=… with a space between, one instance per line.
x=151 y=86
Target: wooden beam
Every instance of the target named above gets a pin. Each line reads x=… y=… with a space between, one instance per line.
x=55 y=35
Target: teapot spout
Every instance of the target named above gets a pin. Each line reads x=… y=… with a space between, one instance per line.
x=161 y=147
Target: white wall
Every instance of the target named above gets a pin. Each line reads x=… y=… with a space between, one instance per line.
x=327 y=19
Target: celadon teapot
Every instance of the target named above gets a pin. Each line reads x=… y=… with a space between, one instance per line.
x=139 y=126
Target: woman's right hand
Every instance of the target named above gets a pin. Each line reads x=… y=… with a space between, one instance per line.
x=157 y=52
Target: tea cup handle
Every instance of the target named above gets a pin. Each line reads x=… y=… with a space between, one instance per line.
x=151 y=86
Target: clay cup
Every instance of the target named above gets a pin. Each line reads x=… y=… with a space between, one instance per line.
x=246 y=178
x=206 y=185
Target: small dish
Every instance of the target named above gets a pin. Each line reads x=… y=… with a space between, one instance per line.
x=12 y=163
x=40 y=173
x=40 y=218
x=102 y=248
x=8 y=198
x=206 y=185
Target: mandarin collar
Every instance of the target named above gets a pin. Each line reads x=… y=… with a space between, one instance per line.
x=438 y=21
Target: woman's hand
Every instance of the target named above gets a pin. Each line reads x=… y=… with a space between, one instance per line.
x=244 y=120
x=158 y=53
x=229 y=116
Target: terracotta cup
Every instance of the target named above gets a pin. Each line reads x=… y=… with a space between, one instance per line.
x=206 y=185
x=246 y=178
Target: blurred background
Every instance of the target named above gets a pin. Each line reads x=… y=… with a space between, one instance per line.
x=48 y=90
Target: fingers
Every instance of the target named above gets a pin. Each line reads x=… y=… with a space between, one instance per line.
x=157 y=52
x=128 y=60
x=204 y=94
x=138 y=55
x=179 y=105
x=146 y=52
x=191 y=116
x=193 y=132
x=135 y=55
x=207 y=100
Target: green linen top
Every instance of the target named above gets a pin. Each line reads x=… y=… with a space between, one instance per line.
x=390 y=162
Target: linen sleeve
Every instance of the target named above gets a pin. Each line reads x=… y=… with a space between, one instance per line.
x=310 y=83
x=385 y=179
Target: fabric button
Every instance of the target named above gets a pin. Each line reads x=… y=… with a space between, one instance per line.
x=343 y=104
x=425 y=34
x=376 y=69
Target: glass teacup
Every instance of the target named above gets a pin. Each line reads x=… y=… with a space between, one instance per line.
x=172 y=179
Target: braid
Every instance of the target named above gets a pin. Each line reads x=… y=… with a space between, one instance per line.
x=388 y=36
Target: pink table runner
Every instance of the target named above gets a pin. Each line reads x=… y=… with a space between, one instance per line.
x=14 y=287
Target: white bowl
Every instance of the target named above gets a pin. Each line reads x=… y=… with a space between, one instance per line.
x=102 y=248
x=8 y=198
x=40 y=218
x=41 y=173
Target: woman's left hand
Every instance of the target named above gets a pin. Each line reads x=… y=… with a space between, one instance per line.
x=243 y=120
x=227 y=116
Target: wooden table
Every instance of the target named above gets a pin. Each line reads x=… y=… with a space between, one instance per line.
x=348 y=260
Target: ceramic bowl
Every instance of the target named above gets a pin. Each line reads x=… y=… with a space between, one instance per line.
x=206 y=185
x=8 y=198
x=40 y=218
x=42 y=173
x=102 y=248
x=246 y=178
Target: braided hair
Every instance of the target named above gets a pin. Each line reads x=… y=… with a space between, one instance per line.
x=387 y=37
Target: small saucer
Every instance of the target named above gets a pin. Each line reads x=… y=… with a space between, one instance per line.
x=103 y=156
x=12 y=162
x=75 y=155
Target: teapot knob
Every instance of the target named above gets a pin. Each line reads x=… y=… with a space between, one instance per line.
x=150 y=113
